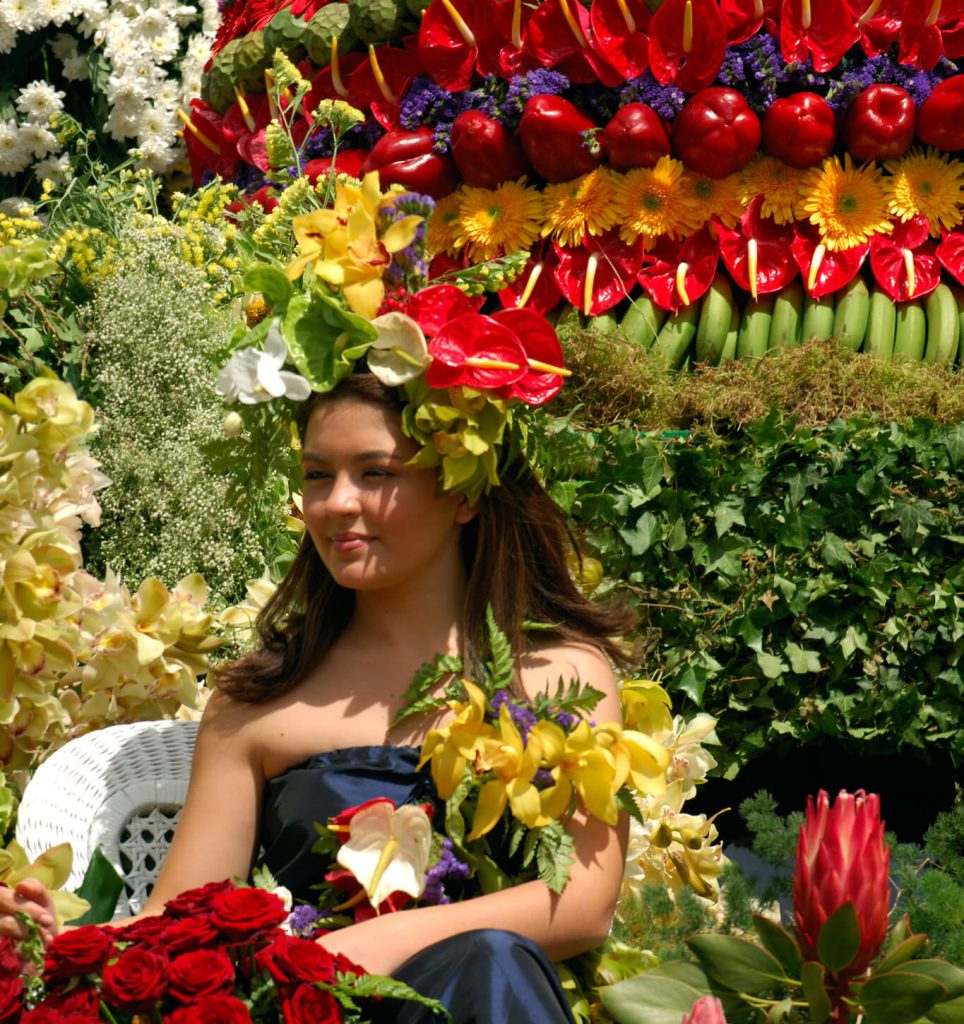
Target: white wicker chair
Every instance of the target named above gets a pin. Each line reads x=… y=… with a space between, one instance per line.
x=120 y=788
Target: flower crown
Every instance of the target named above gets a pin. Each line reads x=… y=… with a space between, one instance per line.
x=466 y=376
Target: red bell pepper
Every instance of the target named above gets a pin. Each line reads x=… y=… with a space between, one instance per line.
x=716 y=133
x=558 y=138
x=409 y=159
x=485 y=151
x=799 y=129
x=940 y=119
x=879 y=124
x=635 y=137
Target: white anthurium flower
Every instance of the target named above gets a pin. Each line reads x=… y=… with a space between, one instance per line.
x=252 y=375
x=388 y=850
x=399 y=353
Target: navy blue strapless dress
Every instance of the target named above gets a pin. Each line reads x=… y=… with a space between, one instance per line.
x=483 y=977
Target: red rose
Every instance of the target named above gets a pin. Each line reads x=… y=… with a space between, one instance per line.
x=290 y=960
x=212 y=1010
x=345 y=966
x=11 y=999
x=83 y=950
x=146 y=932
x=187 y=934
x=195 y=901
x=81 y=1000
x=136 y=980
x=242 y=913
x=205 y=972
x=44 y=1015
x=310 y=1005
x=9 y=958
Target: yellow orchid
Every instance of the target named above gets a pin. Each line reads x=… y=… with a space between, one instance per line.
x=646 y=706
x=452 y=747
x=636 y=756
x=51 y=869
x=343 y=245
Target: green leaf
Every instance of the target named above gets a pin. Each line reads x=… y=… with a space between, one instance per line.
x=954 y=442
x=677 y=536
x=950 y=1012
x=418 y=697
x=901 y=953
x=369 y=986
x=728 y=513
x=272 y=282
x=839 y=938
x=555 y=853
x=946 y=974
x=640 y=539
x=101 y=888
x=813 y=979
x=649 y=999
x=737 y=964
x=778 y=941
x=771 y=666
x=501 y=661
x=802 y=661
x=780 y=1012
x=898 y=997
x=454 y=820
x=834 y=552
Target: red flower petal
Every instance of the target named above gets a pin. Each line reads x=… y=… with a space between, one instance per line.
x=208 y=148
x=323 y=86
x=551 y=40
x=623 y=46
x=835 y=269
x=879 y=33
x=433 y=307
x=776 y=266
x=475 y=337
x=742 y=21
x=951 y=254
x=235 y=125
x=443 y=50
x=889 y=255
x=701 y=254
x=831 y=31
x=398 y=68
x=614 y=270
x=540 y=342
x=668 y=60
x=922 y=45
x=545 y=294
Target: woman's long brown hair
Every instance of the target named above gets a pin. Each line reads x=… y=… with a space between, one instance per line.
x=517 y=554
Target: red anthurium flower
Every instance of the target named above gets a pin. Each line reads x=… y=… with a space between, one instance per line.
x=457 y=36
x=928 y=30
x=263 y=197
x=559 y=36
x=687 y=40
x=306 y=9
x=476 y=351
x=545 y=371
x=433 y=307
x=599 y=273
x=331 y=83
x=842 y=857
x=951 y=254
x=535 y=288
x=822 y=29
x=758 y=252
x=878 y=22
x=208 y=148
x=677 y=273
x=905 y=262
x=347 y=161
x=444 y=263
x=619 y=34
x=744 y=18
x=357 y=901
x=514 y=58
x=380 y=80
x=823 y=271
x=249 y=115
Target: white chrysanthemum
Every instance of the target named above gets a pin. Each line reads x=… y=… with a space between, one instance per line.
x=53 y=12
x=76 y=68
x=164 y=47
x=20 y=15
x=39 y=140
x=91 y=14
x=8 y=37
x=53 y=168
x=198 y=49
x=157 y=153
x=168 y=95
x=63 y=46
x=212 y=17
x=39 y=100
x=123 y=120
x=150 y=24
x=14 y=151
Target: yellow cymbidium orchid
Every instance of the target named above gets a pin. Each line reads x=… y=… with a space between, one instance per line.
x=646 y=706
x=452 y=747
x=51 y=869
x=636 y=756
x=343 y=245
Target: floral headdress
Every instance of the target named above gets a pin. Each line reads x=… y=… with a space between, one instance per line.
x=355 y=293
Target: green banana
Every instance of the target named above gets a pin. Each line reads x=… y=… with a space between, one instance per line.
x=732 y=333
x=959 y=296
x=787 y=316
x=850 y=316
x=677 y=334
x=818 y=318
x=714 y=320
x=603 y=323
x=754 y=333
x=642 y=321
x=881 y=325
x=910 y=333
x=943 y=326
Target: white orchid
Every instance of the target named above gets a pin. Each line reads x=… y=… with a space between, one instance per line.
x=399 y=353
x=388 y=850
x=251 y=375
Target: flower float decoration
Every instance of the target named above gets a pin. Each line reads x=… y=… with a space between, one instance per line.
x=569 y=120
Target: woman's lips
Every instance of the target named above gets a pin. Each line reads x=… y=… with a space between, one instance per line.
x=349 y=541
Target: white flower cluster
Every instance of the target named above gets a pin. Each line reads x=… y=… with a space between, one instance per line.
x=149 y=55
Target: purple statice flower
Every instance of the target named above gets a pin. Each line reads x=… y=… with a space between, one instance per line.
x=764 y=69
x=666 y=100
x=426 y=103
x=303 y=921
x=919 y=84
x=447 y=867
x=566 y=721
x=249 y=178
x=732 y=72
x=543 y=778
x=522 y=715
x=408 y=266
x=540 y=82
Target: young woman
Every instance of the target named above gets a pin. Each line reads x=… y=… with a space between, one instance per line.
x=391 y=573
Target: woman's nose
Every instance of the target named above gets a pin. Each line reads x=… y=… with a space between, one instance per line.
x=343 y=498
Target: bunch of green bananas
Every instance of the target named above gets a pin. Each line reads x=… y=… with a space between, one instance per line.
x=720 y=326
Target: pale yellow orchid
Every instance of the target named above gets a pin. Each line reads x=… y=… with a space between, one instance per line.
x=453 y=746
x=388 y=850
x=51 y=869
x=343 y=245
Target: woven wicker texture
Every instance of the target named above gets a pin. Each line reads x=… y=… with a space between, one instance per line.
x=119 y=788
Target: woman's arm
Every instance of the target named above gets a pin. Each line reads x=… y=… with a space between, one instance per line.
x=563 y=925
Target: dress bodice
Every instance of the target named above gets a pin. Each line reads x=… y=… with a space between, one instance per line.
x=319 y=788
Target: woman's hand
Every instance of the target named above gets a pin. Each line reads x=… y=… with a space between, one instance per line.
x=33 y=899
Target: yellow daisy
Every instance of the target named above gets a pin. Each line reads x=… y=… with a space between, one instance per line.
x=443 y=226
x=847 y=203
x=649 y=202
x=711 y=197
x=497 y=221
x=926 y=183
x=778 y=183
x=582 y=206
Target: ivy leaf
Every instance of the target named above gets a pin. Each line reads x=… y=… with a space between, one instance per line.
x=771 y=666
x=954 y=442
x=729 y=513
x=802 y=660
x=640 y=539
x=834 y=552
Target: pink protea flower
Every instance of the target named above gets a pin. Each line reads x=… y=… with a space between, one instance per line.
x=842 y=857
x=706 y=1010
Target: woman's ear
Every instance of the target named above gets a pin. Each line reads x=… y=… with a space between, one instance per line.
x=464 y=512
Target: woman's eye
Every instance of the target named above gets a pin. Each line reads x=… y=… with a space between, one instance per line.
x=315 y=474
x=376 y=473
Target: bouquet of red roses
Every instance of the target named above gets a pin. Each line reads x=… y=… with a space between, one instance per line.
x=217 y=955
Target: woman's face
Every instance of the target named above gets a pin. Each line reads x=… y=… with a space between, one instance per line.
x=375 y=522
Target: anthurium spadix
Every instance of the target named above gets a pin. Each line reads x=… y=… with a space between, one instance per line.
x=388 y=849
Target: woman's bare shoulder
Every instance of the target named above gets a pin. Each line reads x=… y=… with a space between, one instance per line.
x=549 y=661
